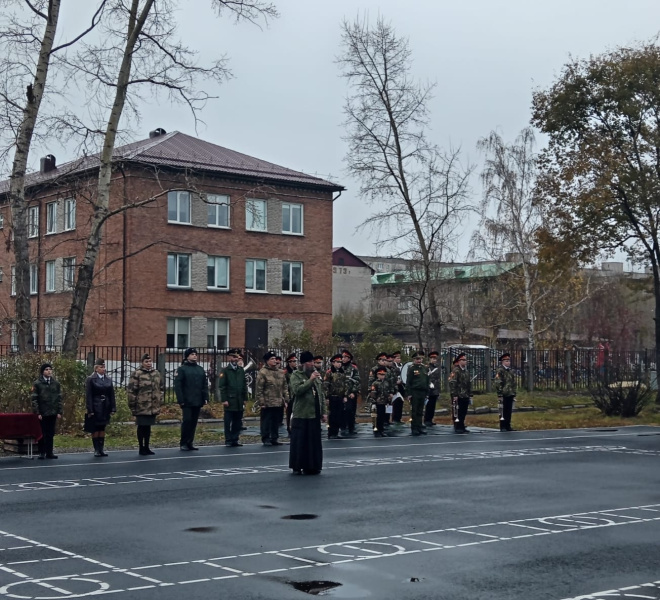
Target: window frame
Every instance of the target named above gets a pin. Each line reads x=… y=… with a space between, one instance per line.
x=69 y=283
x=253 y=289
x=212 y=203
x=49 y=323
x=176 y=321
x=34 y=279
x=177 y=270
x=50 y=275
x=12 y=274
x=215 y=259
x=290 y=231
x=178 y=195
x=214 y=335
x=291 y=264
x=69 y=214
x=33 y=222
x=250 y=213
x=51 y=218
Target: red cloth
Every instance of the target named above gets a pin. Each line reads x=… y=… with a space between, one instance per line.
x=19 y=425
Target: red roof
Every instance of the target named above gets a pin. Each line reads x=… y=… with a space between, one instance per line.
x=179 y=150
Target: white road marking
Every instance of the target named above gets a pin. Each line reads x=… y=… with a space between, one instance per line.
x=638 y=591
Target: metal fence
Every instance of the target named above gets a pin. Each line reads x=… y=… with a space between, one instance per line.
x=575 y=369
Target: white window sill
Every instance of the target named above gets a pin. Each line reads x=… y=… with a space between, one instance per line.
x=302 y=234
x=179 y=287
x=178 y=223
x=50 y=233
x=216 y=289
x=256 y=291
x=210 y=226
x=286 y=293
x=257 y=230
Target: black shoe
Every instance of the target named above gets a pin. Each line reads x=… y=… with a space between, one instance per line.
x=296 y=471
x=334 y=437
x=415 y=433
x=146 y=452
x=41 y=456
x=184 y=448
x=149 y=452
x=378 y=434
x=423 y=432
x=191 y=447
x=228 y=444
x=352 y=434
x=276 y=443
x=311 y=471
x=236 y=444
x=52 y=456
x=267 y=443
x=459 y=430
x=344 y=433
x=509 y=428
x=466 y=430
x=429 y=424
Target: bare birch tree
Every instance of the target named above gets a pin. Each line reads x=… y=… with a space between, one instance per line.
x=421 y=191
x=139 y=52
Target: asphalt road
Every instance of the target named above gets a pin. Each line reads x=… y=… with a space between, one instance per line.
x=543 y=515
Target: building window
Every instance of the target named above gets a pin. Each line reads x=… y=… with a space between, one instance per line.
x=217 y=272
x=255 y=215
x=49 y=334
x=33 y=221
x=255 y=275
x=292 y=277
x=218 y=209
x=292 y=218
x=217 y=333
x=68 y=272
x=178 y=270
x=13 y=281
x=178 y=333
x=69 y=214
x=2 y=221
x=13 y=341
x=34 y=279
x=178 y=207
x=51 y=217
x=50 y=275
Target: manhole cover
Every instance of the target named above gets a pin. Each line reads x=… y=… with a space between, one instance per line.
x=316 y=588
x=201 y=529
x=302 y=517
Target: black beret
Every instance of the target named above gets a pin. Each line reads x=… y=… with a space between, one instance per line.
x=291 y=357
x=461 y=355
x=346 y=353
x=381 y=355
x=99 y=362
x=269 y=355
x=189 y=351
x=335 y=357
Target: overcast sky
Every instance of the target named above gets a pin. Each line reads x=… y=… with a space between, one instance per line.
x=285 y=103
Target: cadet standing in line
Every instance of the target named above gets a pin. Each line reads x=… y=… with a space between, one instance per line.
x=417 y=388
x=505 y=386
x=352 y=374
x=379 y=394
x=47 y=404
x=233 y=394
x=460 y=390
x=192 y=392
x=271 y=394
x=334 y=384
x=397 y=386
x=434 y=388
x=145 y=396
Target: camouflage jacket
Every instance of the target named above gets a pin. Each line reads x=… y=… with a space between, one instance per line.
x=46 y=397
x=271 y=389
x=334 y=383
x=391 y=385
x=460 y=383
x=505 y=382
x=435 y=376
x=352 y=378
x=378 y=392
x=145 y=393
x=417 y=380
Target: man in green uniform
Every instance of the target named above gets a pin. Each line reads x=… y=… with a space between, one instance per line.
x=352 y=375
x=47 y=404
x=192 y=392
x=434 y=388
x=233 y=394
x=417 y=388
x=460 y=391
x=505 y=386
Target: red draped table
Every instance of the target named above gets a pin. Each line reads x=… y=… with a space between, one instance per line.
x=20 y=426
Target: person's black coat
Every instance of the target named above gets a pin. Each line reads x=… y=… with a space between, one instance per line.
x=100 y=398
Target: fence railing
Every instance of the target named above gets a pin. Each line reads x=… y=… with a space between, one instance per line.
x=575 y=369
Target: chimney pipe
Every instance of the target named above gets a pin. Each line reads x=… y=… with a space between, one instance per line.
x=157 y=132
x=47 y=164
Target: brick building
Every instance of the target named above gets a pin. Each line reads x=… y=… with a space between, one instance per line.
x=217 y=248
x=351 y=282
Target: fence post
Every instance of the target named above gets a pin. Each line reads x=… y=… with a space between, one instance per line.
x=568 y=361
x=216 y=379
x=91 y=359
x=488 y=368
x=160 y=365
x=530 y=369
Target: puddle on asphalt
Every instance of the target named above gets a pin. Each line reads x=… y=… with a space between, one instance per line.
x=301 y=517
x=315 y=588
x=201 y=529
x=266 y=506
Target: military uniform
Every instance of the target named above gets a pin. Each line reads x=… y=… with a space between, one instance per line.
x=47 y=403
x=352 y=375
x=417 y=388
x=505 y=387
x=233 y=392
x=145 y=396
x=271 y=393
x=397 y=388
x=192 y=392
x=434 y=392
x=335 y=388
x=379 y=394
x=460 y=391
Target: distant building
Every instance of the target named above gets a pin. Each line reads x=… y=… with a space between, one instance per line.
x=223 y=249
x=351 y=282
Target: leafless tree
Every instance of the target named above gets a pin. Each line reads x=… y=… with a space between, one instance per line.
x=421 y=191
x=139 y=53
x=27 y=44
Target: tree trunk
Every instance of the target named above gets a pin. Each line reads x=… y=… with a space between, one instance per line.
x=656 y=292
x=19 y=209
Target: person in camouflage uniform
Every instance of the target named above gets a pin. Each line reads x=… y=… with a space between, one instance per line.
x=379 y=394
x=417 y=388
x=352 y=375
x=47 y=405
x=335 y=388
x=505 y=387
x=271 y=394
x=460 y=391
x=399 y=388
x=434 y=388
x=145 y=396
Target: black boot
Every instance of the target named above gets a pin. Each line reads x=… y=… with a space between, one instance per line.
x=101 y=444
x=146 y=451
x=97 y=449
